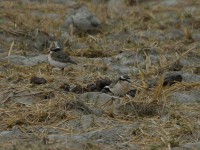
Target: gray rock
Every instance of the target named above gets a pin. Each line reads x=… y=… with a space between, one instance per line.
x=87 y=122
x=14 y=134
x=190 y=61
x=40 y=40
x=196 y=36
x=82 y=21
x=174 y=34
x=73 y=124
x=115 y=4
x=106 y=136
x=75 y=144
x=121 y=69
x=190 y=77
x=25 y=100
x=66 y=2
x=127 y=146
x=186 y=96
x=156 y=35
x=124 y=63
x=124 y=36
x=98 y=1
x=129 y=58
x=66 y=38
x=2 y=50
x=97 y=98
x=15 y=59
x=78 y=46
x=52 y=16
x=192 y=145
x=170 y=2
x=118 y=8
x=186 y=77
x=97 y=111
x=21 y=60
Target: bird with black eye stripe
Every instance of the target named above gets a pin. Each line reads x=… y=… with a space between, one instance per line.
x=58 y=58
x=119 y=87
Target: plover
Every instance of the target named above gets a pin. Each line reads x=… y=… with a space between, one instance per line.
x=59 y=59
x=120 y=87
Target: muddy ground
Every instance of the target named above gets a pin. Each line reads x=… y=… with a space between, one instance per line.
x=155 y=42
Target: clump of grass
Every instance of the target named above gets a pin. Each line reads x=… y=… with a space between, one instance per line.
x=187 y=33
x=162 y=121
x=91 y=53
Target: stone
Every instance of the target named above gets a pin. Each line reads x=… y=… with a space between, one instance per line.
x=191 y=145
x=97 y=98
x=25 y=61
x=37 y=80
x=172 y=79
x=82 y=21
x=186 y=96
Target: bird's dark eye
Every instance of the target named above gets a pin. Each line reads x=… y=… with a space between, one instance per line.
x=56 y=49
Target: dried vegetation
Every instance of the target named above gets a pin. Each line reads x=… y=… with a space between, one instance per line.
x=163 y=123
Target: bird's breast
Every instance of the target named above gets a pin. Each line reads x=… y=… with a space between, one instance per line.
x=55 y=63
x=120 y=88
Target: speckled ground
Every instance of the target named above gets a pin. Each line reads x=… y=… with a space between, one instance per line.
x=152 y=41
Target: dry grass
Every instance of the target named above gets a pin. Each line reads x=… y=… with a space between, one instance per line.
x=51 y=106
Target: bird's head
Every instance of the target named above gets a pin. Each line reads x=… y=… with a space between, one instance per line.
x=106 y=89
x=125 y=78
x=54 y=47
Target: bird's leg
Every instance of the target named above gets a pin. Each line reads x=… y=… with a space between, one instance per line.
x=63 y=71
x=116 y=105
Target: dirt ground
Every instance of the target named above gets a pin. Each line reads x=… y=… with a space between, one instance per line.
x=155 y=42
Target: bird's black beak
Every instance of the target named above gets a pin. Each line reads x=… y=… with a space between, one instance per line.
x=128 y=80
x=125 y=78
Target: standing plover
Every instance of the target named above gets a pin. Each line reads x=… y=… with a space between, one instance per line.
x=59 y=59
x=119 y=87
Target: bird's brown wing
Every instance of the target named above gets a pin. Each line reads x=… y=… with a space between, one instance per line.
x=114 y=82
x=62 y=57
